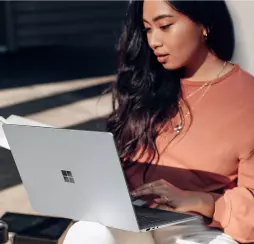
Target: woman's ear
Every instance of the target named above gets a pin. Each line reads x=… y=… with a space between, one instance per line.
x=204 y=32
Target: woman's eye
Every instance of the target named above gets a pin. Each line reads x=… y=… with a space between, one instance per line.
x=164 y=27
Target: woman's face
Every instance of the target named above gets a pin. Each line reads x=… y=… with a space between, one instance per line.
x=174 y=38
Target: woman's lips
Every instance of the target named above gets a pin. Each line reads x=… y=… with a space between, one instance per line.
x=162 y=58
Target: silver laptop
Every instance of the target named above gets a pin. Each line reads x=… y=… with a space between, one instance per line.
x=78 y=175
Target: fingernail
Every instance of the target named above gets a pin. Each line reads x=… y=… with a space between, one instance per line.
x=133 y=193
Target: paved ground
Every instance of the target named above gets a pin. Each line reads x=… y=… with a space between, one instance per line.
x=61 y=100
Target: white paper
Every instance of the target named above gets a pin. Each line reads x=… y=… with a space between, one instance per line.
x=16 y=120
x=3 y=141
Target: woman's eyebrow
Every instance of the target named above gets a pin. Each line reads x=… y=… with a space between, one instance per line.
x=162 y=16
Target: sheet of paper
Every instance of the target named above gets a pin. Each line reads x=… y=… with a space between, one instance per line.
x=17 y=120
x=3 y=141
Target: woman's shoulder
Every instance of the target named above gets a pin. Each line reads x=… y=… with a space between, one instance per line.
x=238 y=90
x=245 y=76
x=241 y=81
x=247 y=73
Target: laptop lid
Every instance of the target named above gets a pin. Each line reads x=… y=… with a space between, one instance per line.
x=72 y=174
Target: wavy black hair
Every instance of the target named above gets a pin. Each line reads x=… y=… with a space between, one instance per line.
x=145 y=95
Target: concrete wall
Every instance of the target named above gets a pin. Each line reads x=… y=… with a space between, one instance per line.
x=2 y=25
x=243 y=17
x=95 y=24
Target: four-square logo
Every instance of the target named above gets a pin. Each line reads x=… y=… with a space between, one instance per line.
x=67 y=175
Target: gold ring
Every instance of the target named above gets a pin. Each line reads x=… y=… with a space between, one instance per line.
x=165 y=198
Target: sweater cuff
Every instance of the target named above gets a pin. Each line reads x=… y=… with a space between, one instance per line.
x=222 y=211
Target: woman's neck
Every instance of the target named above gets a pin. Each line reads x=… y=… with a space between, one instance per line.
x=206 y=68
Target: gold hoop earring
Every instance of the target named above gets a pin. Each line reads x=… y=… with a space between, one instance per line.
x=205 y=35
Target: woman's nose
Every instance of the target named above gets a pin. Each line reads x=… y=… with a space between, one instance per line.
x=155 y=40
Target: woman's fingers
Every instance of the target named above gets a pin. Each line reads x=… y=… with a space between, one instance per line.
x=165 y=207
x=149 y=185
x=159 y=188
x=155 y=190
x=162 y=200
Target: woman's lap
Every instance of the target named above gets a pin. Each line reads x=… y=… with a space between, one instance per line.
x=191 y=233
x=194 y=232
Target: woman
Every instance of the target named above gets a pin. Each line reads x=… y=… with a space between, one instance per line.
x=183 y=123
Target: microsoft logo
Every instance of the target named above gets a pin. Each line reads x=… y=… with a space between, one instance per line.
x=67 y=175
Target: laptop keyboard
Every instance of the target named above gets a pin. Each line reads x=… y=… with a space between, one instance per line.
x=145 y=220
x=149 y=218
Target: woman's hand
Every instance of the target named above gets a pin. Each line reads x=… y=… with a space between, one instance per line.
x=177 y=199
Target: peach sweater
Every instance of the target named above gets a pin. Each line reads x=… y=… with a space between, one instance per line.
x=216 y=153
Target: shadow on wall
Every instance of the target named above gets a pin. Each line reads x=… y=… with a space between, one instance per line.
x=32 y=66
x=55 y=101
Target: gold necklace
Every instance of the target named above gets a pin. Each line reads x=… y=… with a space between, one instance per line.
x=199 y=89
x=178 y=128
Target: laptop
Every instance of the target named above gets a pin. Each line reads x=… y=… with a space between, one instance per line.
x=77 y=175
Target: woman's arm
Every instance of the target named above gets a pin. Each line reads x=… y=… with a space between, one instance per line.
x=234 y=210
x=205 y=203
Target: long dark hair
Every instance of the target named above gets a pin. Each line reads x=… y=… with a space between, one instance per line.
x=145 y=95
